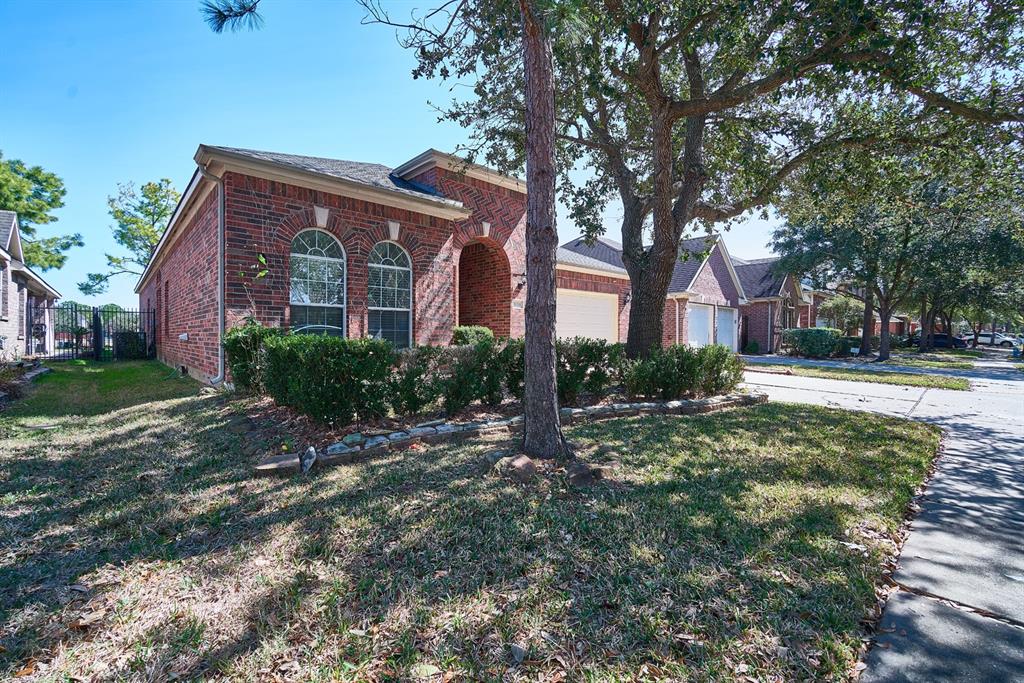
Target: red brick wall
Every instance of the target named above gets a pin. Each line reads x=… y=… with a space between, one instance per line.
x=505 y=210
x=754 y=324
x=184 y=290
x=714 y=282
x=484 y=288
x=590 y=282
x=262 y=217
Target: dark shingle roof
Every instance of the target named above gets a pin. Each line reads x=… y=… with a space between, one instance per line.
x=610 y=252
x=364 y=173
x=7 y=219
x=758 y=277
x=571 y=258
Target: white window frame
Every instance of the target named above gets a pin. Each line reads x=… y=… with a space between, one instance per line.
x=370 y=264
x=344 y=282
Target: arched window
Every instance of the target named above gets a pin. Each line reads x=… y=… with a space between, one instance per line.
x=390 y=294
x=317 y=292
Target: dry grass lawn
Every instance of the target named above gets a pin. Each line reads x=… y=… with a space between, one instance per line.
x=135 y=545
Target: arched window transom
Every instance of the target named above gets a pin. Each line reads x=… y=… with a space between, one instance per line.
x=390 y=294
x=317 y=287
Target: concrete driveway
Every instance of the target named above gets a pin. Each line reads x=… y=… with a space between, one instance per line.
x=960 y=611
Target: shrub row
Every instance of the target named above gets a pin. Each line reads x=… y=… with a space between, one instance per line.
x=337 y=380
x=815 y=342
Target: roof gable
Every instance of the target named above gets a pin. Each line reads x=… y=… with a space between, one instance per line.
x=759 y=277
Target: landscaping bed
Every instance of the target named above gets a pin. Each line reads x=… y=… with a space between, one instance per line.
x=859 y=375
x=750 y=544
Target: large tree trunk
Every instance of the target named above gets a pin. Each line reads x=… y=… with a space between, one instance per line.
x=868 y=323
x=884 y=314
x=542 y=434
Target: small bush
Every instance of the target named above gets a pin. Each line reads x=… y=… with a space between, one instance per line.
x=752 y=348
x=413 y=384
x=243 y=350
x=842 y=347
x=812 y=342
x=513 y=365
x=472 y=373
x=680 y=371
x=130 y=345
x=471 y=334
x=331 y=379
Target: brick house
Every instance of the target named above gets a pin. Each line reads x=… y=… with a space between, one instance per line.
x=775 y=302
x=26 y=300
x=705 y=294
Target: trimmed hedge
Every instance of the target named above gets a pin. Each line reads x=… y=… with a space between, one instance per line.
x=814 y=342
x=243 y=350
x=331 y=379
x=681 y=371
x=337 y=380
x=471 y=334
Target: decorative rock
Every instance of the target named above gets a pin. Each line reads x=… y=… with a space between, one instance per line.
x=492 y=458
x=278 y=463
x=307 y=460
x=564 y=412
x=375 y=442
x=523 y=468
x=446 y=428
x=517 y=652
x=340 y=448
x=431 y=423
x=580 y=474
x=419 y=432
x=353 y=439
x=398 y=436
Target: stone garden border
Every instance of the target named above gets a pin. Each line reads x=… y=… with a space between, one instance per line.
x=28 y=377
x=357 y=446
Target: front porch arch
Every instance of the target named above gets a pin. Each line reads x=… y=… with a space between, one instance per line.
x=485 y=287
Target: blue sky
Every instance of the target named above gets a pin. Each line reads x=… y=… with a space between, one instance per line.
x=107 y=92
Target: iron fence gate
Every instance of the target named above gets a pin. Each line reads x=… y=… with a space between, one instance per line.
x=69 y=331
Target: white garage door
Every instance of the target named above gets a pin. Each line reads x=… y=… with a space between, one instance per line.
x=698 y=324
x=727 y=327
x=587 y=314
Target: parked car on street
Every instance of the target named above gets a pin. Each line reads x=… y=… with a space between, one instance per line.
x=998 y=339
x=941 y=340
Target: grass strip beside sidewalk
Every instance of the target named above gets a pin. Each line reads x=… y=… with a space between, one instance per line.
x=875 y=376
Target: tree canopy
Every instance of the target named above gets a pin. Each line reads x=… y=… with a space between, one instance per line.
x=697 y=112
x=34 y=194
x=141 y=216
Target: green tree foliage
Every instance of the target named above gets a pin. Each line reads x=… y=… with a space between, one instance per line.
x=141 y=216
x=843 y=311
x=34 y=193
x=697 y=112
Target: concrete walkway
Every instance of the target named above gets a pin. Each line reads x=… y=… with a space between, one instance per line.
x=960 y=611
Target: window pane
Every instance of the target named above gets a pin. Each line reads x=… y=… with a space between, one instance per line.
x=390 y=325
x=318 y=320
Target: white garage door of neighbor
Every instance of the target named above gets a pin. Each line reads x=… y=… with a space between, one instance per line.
x=587 y=314
x=727 y=327
x=698 y=324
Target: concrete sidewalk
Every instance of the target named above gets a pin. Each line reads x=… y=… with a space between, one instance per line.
x=987 y=369
x=959 y=615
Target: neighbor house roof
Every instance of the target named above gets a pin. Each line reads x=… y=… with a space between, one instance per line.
x=759 y=278
x=7 y=221
x=609 y=252
x=570 y=258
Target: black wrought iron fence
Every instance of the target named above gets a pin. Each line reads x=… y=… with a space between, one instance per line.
x=69 y=331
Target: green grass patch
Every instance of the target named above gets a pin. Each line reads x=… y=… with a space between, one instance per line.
x=966 y=353
x=738 y=545
x=85 y=387
x=912 y=362
x=874 y=376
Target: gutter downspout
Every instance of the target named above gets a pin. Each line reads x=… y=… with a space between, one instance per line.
x=219 y=182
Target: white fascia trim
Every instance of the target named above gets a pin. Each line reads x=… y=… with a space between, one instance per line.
x=432 y=157
x=592 y=271
x=13 y=245
x=678 y=295
x=172 y=226
x=218 y=161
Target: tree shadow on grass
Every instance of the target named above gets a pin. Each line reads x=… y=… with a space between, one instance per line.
x=714 y=546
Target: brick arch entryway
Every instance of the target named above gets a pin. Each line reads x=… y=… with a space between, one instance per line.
x=485 y=287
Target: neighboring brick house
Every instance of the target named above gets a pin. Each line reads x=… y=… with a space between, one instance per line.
x=26 y=300
x=704 y=297
x=774 y=302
